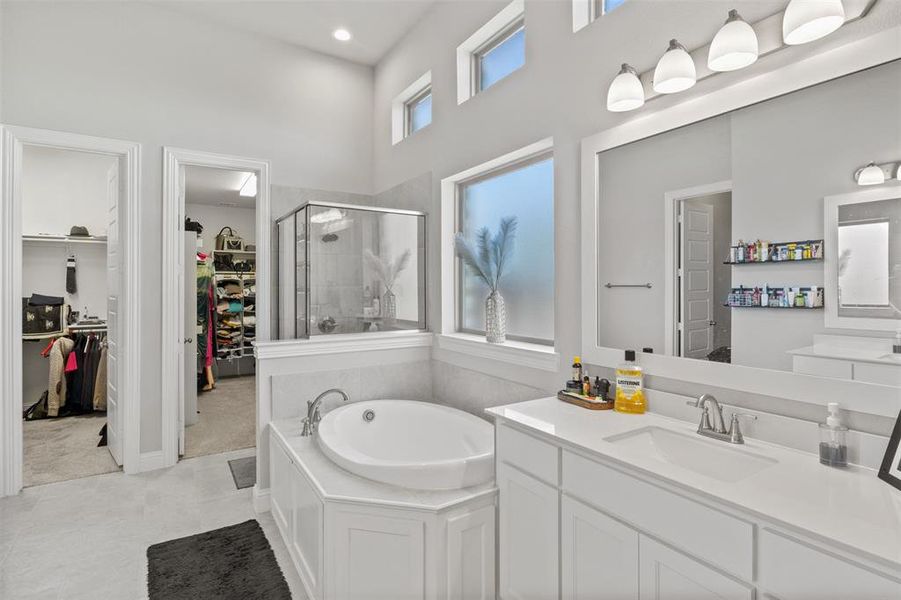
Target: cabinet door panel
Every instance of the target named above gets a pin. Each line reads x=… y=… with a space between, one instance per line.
x=528 y=537
x=669 y=575
x=599 y=555
x=280 y=473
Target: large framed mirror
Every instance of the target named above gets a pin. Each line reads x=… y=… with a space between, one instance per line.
x=738 y=245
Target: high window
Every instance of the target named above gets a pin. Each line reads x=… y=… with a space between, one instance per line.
x=411 y=110
x=587 y=11
x=418 y=111
x=493 y=52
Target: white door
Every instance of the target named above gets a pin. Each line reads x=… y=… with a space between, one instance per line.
x=529 y=567
x=190 y=333
x=183 y=373
x=599 y=558
x=697 y=280
x=114 y=290
x=666 y=574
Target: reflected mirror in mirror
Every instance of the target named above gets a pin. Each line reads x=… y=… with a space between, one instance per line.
x=724 y=219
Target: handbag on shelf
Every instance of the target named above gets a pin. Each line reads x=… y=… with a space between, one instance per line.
x=230 y=240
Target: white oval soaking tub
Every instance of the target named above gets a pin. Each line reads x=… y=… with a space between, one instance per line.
x=410 y=444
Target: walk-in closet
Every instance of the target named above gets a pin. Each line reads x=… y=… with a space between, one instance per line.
x=69 y=201
x=220 y=310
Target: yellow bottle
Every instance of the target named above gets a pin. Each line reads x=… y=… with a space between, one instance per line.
x=630 y=396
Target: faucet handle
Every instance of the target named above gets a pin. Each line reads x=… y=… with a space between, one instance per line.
x=735 y=435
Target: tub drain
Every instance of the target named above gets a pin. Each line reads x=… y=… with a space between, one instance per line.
x=368 y=415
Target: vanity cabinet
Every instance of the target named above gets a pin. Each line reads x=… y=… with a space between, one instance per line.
x=625 y=536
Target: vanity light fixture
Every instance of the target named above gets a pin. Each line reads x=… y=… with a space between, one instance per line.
x=625 y=92
x=342 y=35
x=675 y=71
x=249 y=187
x=872 y=174
x=734 y=46
x=808 y=20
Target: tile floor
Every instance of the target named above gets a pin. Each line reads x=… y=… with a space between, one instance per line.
x=87 y=538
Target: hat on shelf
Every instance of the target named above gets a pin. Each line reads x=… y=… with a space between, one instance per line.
x=79 y=231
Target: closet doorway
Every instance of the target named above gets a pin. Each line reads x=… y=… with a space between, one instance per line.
x=68 y=209
x=217 y=308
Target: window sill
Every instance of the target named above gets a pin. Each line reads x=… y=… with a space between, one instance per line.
x=524 y=354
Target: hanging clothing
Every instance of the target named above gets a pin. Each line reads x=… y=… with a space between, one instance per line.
x=205 y=310
x=71 y=285
x=99 y=399
x=56 y=385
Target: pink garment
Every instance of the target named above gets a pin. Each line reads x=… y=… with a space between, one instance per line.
x=71 y=363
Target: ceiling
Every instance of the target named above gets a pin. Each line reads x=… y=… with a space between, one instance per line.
x=376 y=25
x=216 y=187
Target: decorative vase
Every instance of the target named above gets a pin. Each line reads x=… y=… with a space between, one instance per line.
x=389 y=307
x=495 y=319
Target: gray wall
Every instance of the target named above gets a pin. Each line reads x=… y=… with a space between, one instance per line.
x=144 y=73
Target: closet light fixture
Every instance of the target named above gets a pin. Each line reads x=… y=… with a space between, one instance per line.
x=808 y=20
x=675 y=71
x=342 y=35
x=734 y=46
x=625 y=92
x=249 y=187
x=872 y=174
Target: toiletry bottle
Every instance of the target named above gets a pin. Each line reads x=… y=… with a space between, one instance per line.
x=765 y=296
x=577 y=369
x=833 y=448
x=630 y=396
x=896 y=345
x=586 y=386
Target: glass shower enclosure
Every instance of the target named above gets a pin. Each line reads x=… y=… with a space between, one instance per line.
x=346 y=268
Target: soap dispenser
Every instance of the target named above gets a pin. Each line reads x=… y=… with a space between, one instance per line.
x=833 y=445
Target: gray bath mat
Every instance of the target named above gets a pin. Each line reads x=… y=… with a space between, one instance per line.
x=244 y=471
x=232 y=563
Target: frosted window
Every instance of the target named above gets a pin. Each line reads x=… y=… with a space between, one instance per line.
x=419 y=112
x=526 y=192
x=499 y=60
x=612 y=4
x=863 y=270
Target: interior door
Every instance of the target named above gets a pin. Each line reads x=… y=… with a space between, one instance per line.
x=187 y=333
x=696 y=308
x=113 y=285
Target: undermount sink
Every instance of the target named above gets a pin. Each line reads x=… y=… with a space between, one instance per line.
x=711 y=458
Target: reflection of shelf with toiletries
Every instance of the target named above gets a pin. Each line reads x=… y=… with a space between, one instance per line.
x=763 y=252
x=810 y=297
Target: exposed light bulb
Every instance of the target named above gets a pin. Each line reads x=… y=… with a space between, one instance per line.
x=734 y=46
x=872 y=174
x=342 y=35
x=675 y=71
x=625 y=92
x=808 y=20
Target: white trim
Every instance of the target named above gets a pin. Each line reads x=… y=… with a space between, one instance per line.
x=341 y=343
x=583 y=13
x=151 y=461
x=499 y=22
x=399 y=106
x=671 y=201
x=173 y=227
x=449 y=224
x=14 y=139
x=874 y=50
x=261 y=499
x=533 y=356
x=830 y=259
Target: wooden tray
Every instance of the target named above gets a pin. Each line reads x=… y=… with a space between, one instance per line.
x=584 y=403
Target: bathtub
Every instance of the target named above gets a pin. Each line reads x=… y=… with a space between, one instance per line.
x=410 y=444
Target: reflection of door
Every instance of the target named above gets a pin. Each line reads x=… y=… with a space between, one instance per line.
x=697 y=280
x=188 y=315
x=113 y=272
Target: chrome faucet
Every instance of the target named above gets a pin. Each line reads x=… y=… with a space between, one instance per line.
x=311 y=421
x=718 y=430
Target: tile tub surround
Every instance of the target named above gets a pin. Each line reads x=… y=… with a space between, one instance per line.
x=473 y=392
x=48 y=550
x=848 y=507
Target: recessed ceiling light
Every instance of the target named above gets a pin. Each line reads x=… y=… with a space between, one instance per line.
x=342 y=35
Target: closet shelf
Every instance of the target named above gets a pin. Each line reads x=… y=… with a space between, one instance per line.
x=64 y=239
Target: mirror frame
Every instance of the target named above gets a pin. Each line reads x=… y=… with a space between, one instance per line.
x=830 y=229
x=766 y=84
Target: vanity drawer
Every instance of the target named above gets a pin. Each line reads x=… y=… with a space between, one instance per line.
x=793 y=570
x=881 y=374
x=705 y=532
x=823 y=367
x=528 y=454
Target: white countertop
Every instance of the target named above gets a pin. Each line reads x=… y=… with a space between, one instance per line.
x=849 y=507
x=845 y=353
x=334 y=483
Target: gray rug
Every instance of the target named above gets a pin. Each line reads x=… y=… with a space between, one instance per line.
x=244 y=471
x=232 y=563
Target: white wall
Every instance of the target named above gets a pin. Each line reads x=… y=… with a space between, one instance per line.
x=147 y=74
x=214 y=218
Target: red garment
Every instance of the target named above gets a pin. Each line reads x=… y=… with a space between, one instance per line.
x=71 y=363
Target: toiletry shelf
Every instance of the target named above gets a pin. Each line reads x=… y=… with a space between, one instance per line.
x=775 y=252
x=774 y=307
x=773 y=262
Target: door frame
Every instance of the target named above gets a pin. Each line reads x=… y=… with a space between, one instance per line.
x=13 y=140
x=173 y=243
x=671 y=202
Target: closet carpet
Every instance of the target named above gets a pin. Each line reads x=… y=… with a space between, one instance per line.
x=63 y=449
x=227 y=419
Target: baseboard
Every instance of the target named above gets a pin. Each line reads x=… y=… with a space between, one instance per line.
x=260 y=499
x=151 y=461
